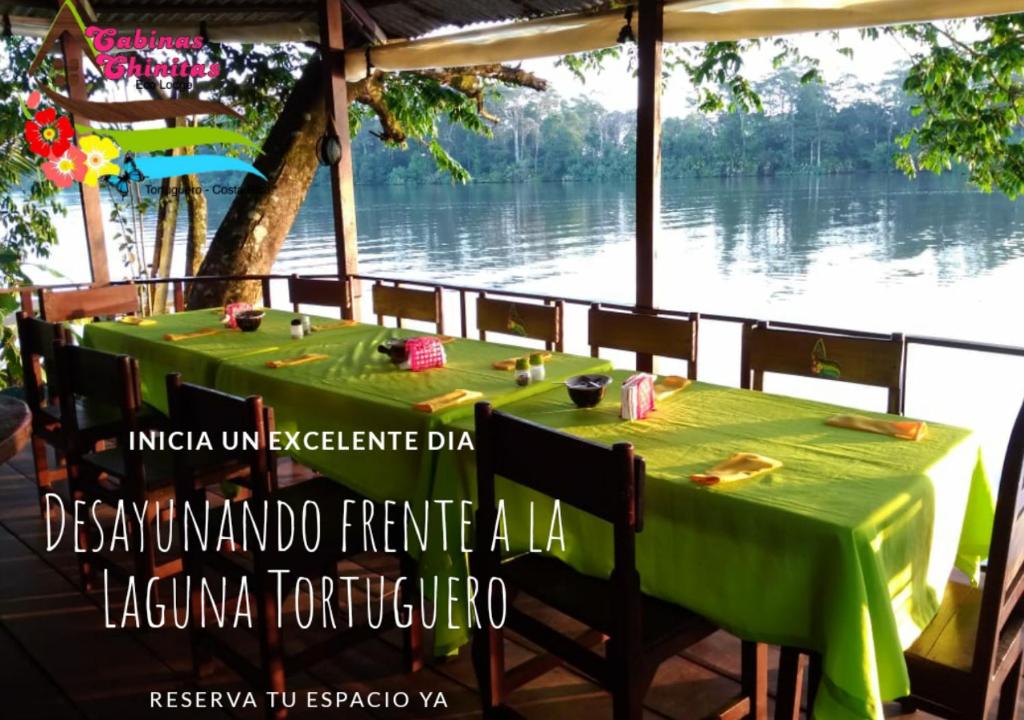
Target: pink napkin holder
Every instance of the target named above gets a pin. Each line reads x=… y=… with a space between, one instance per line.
x=637 y=397
x=233 y=309
x=424 y=353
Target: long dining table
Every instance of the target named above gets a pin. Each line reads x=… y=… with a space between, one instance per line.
x=844 y=550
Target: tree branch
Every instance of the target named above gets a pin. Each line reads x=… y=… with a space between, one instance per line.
x=468 y=81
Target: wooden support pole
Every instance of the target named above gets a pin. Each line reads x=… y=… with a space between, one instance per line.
x=648 y=154
x=332 y=45
x=92 y=212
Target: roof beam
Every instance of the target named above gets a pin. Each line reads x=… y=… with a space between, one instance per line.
x=343 y=202
x=72 y=45
x=66 y=21
x=211 y=9
x=367 y=24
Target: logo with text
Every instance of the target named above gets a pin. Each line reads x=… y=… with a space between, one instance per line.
x=107 y=150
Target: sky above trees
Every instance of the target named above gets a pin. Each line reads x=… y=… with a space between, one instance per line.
x=614 y=88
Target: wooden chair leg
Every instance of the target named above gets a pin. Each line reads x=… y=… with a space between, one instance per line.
x=204 y=663
x=143 y=545
x=1009 y=695
x=790 y=687
x=488 y=653
x=86 y=560
x=907 y=706
x=755 y=678
x=42 y=469
x=752 y=702
x=412 y=641
x=815 y=673
x=46 y=476
x=271 y=643
x=628 y=690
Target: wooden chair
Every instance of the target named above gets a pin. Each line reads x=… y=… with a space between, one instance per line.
x=36 y=339
x=325 y=292
x=111 y=475
x=641 y=631
x=254 y=467
x=864 y=359
x=970 y=654
x=650 y=334
x=539 y=322
x=408 y=304
x=103 y=301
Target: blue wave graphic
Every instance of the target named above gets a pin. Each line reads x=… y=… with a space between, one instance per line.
x=171 y=166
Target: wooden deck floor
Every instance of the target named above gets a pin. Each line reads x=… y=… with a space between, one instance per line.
x=57 y=660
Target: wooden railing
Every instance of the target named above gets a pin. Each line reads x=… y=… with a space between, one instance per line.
x=463 y=290
x=179 y=284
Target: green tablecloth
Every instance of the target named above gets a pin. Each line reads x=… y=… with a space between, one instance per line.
x=845 y=550
x=198 y=359
x=355 y=389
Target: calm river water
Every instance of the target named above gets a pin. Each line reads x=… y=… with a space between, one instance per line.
x=872 y=252
x=867 y=252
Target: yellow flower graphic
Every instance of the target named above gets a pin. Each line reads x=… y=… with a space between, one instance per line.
x=99 y=151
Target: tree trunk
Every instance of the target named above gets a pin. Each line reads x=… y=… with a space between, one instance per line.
x=163 y=242
x=262 y=213
x=536 y=148
x=195 y=245
x=792 y=138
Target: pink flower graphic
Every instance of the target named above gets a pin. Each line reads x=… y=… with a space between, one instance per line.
x=67 y=168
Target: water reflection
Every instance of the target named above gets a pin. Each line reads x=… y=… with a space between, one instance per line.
x=874 y=252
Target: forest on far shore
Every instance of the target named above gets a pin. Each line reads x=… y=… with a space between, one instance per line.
x=840 y=127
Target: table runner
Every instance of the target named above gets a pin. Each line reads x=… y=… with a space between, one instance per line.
x=845 y=550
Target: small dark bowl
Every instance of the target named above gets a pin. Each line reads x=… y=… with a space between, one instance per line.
x=249 y=320
x=587 y=390
x=394 y=348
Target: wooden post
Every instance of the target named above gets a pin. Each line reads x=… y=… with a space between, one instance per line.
x=332 y=45
x=179 y=296
x=648 y=154
x=92 y=212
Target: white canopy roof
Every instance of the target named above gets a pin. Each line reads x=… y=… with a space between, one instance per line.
x=685 y=21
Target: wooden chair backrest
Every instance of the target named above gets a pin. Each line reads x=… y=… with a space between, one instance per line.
x=606 y=482
x=539 y=322
x=866 y=360
x=197 y=409
x=325 y=292
x=651 y=334
x=404 y=303
x=36 y=339
x=1002 y=604
x=105 y=301
x=105 y=379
